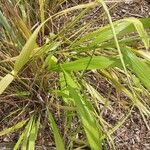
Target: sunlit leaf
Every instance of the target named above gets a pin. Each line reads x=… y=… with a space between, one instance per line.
x=96 y=62
x=5 y=81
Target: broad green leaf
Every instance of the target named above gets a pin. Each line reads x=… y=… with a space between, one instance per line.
x=64 y=93
x=97 y=62
x=85 y=110
x=13 y=128
x=5 y=81
x=58 y=139
x=105 y=33
x=68 y=80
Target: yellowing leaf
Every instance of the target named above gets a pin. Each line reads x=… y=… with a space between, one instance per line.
x=6 y=81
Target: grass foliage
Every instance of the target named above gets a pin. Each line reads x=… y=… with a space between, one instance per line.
x=44 y=63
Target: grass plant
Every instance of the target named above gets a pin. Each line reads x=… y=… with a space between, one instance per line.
x=44 y=67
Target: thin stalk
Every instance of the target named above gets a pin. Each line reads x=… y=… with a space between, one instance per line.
x=117 y=45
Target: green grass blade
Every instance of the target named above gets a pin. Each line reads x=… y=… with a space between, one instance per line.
x=18 y=143
x=103 y=34
x=121 y=27
x=27 y=50
x=27 y=134
x=58 y=139
x=22 y=59
x=13 y=128
x=33 y=134
x=106 y=33
x=64 y=93
x=131 y=28
x=85 y=111
x=140 y=29
x=50 y=62
x=97 y=62
x=140 y=68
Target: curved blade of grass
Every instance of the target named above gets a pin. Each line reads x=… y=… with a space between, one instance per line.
x=140 y=68
x=97 y=62
x=131 y=28
x=58 y=139
x=138 y=103
x=85 y=111
x=27 y=50
x=21 y=60
x=104 y=34
x=140 y=29
x=121 y=27
x=13 y=128
x=134 y=99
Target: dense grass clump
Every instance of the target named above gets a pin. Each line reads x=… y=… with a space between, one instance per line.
x=51 y=62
